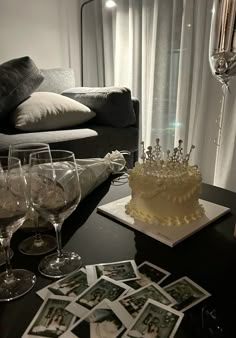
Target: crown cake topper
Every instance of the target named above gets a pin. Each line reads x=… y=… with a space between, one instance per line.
x=155 y=161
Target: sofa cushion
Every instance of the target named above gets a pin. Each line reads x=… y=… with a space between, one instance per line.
x=19 y=78
x=113 y=105
x=85 y=142
x=50 y=111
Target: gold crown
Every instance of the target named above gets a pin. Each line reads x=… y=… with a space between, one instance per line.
x=157 y=162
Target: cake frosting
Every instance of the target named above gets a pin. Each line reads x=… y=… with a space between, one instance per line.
x=165 y=190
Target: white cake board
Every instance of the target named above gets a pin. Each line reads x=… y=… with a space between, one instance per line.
x=169 y=235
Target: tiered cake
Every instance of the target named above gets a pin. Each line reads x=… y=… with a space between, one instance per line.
x=165 y=189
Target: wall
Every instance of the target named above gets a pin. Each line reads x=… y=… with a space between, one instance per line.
x=46 y=30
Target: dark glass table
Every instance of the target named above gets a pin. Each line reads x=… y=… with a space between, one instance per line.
x=208 y=258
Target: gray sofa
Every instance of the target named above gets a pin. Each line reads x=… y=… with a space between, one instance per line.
x=90 y=139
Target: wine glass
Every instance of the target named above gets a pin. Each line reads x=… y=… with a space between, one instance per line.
x=55 y=194
x=38 y=244
x=13 y=209
x=222 y=47
x=222 y=54
x=2 y=255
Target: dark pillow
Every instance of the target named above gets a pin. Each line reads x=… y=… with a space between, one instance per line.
x=19 y=78
x=113 y=105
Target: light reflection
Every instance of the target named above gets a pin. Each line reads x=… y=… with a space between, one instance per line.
x=176 y=124
x=110 y=4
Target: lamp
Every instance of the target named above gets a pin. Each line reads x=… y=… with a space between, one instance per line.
x=109 y=4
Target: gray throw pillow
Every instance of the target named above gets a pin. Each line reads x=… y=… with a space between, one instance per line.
x=57 y=79
x=113 y=105
x=50 y=111
x=19 y=78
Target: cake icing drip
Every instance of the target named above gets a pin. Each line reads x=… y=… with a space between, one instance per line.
x=165 y=188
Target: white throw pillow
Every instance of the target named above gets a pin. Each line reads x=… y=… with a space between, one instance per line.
x=50 y=111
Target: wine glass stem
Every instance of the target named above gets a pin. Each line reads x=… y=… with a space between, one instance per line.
x=6 y=246
x=38 y=237
x=220 y=127
x=58 y=237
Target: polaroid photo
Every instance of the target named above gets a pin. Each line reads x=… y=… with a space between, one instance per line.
x=149 y=273
x=101 y=321
x=120 y=271
x=104 y=287
x=186 y=292
x=131 y=305
x=51 y=320
x=70 y=286
x=155 y=320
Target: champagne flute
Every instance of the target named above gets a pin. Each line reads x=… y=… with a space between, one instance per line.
x=55 y=194
x=13 y=209
x=222 y=55
x=38 y=244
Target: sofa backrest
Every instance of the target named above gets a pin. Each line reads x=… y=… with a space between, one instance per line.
x=57 y=79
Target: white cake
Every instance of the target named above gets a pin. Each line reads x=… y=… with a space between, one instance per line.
x=165 y=191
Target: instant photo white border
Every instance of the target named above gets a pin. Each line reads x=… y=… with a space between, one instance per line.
x=191 y=282
x=80 y=310
x=28 y=335
x=123 y=313
x=105 y=304
x=169 y=235
x=157 y=304
x=45 y=292
x=92 y=273
x=167 y=273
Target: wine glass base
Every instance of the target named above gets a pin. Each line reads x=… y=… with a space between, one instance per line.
x=33 y=247
x=54 y=267
x=22 y=282
x=2 y=256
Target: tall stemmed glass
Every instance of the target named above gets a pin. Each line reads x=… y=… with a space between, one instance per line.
x=55 y=194
x=222 y=55
x=13 y=209
x=38 y=244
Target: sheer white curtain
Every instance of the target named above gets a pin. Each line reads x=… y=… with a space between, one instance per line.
x=159 y=49
x=199 y=94
x=140 y=51
x=145 y=58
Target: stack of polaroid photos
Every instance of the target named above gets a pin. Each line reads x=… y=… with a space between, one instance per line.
x=115 y=299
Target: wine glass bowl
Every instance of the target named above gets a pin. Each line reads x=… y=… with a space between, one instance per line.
x=13 y=210
x=222 y=48
x=55 y=194
x=222 y=56
x=39 y=243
